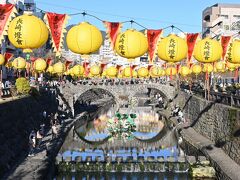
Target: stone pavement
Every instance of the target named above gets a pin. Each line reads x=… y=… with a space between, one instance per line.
x=224 y=165
x=38 y=166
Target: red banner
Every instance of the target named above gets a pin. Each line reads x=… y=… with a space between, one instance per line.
x=56 y=24
x=113 y=29
x=67 y=64
x=86 y=67
x=6 y=12
x=149 y=67
x=191 y=41
x=153 y=37
x=49 y=61
x=225 y=41
x=236 y=74
x=103 y=65
x=8 y=56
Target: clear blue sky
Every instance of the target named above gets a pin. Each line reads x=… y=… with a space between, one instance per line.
x=153 y=14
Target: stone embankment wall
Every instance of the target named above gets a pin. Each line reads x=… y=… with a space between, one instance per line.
x=215 y=121
x=17 y=119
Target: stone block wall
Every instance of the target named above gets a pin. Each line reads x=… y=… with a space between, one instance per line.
x=215 y=121
x=17 y=119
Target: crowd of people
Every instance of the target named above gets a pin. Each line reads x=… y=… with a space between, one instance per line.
x=36 y=135
x=177 y=112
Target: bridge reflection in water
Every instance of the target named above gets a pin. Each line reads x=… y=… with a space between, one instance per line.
x=153 y=149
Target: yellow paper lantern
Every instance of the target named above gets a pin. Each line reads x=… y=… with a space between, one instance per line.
x=78 y=70
x=131 y=44
x=172 y=49
x=142 y=72
x=231 y=66
x=84 y=38
x=9 y=64
x=155 y=71
x=233 y=55
x=220 y=66
x=19 y=63
x=40 y=65
x=59 y=68
x=208 y=51
x=162 y=72
x=127 y=72
x=171 y=71
x=2 y=59
x=104 y=73
x=134 y=74
x=50 y=69
x=111 y=71
x=184 y=71
x=27 y=32
x=196 y=69
x=95 y=70
x=207 y=68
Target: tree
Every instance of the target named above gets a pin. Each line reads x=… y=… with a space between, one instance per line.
x=22 y=85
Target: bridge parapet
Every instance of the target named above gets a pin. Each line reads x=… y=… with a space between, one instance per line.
x=122 y=93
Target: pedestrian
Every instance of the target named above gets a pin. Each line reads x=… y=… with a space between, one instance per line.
x=44 y=116
x=54 y=131
x=39 y=139
x=32 y=143
x=42 y=129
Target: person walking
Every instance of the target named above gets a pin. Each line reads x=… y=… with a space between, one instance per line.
x=39 y=139
x=32 y=143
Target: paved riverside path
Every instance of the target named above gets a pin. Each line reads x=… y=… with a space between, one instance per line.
x=218 y=158
x=36 y=167
x=224 y=165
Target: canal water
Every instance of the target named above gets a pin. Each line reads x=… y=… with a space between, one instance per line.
x=123 y=176
x=95 y=131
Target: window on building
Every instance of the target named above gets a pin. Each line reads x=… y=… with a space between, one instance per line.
x=224 y=16
x=226 y=27
x=236 y=16
x=207 y=18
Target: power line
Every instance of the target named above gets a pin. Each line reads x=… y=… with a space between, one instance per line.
x=115 y=15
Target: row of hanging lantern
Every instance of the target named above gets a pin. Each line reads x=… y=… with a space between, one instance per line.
x=85 y=38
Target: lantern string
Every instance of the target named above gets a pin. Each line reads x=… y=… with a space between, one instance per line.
x=131 y=21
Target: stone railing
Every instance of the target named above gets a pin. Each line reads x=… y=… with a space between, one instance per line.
x=219 y=97
x=112 y=82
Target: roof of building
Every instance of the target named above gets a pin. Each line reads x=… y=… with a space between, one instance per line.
x=223 y=5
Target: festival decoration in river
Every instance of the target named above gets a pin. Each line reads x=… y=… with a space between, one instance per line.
x=122 y=126
x=22 y=35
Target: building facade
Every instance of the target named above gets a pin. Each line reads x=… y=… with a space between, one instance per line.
x=221 y=19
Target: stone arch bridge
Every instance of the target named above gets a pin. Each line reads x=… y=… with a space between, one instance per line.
x=69 y=93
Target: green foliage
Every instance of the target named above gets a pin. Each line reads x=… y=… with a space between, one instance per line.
x=34 y=92
x=22 y=85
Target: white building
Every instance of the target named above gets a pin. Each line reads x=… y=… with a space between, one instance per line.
x=221 y=19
